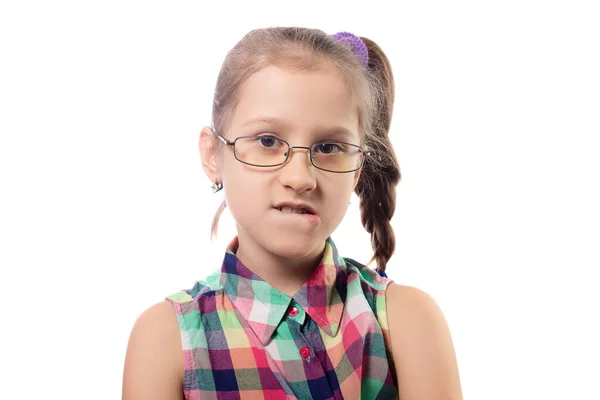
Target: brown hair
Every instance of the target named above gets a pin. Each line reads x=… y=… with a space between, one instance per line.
x=308 y=49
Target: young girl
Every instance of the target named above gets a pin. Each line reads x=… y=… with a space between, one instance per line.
x=300 y=121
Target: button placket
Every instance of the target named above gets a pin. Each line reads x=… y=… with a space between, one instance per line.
x=305 y=352
x=297 y=316
x=292 y=311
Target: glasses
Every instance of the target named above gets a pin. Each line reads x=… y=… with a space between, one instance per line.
x=270 y=151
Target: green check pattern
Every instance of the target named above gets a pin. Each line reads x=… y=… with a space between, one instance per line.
x=244 y=339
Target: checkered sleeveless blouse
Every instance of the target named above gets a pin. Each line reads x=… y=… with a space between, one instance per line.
x=243 y=339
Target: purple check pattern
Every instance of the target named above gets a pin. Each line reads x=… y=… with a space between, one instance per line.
x=243 y=339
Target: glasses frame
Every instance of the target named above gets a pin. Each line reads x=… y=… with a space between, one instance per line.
x=289 y=152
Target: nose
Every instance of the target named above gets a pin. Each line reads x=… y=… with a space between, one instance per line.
x=298 y=172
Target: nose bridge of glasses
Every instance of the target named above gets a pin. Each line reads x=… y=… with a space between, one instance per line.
x=289 y=156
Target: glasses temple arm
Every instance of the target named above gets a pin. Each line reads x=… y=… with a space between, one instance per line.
x=222 y=139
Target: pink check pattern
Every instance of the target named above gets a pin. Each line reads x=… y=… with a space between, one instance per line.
x=243 y=339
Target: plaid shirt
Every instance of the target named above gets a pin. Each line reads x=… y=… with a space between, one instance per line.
x=244 y=339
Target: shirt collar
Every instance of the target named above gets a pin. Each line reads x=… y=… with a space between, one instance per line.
x=322 y=296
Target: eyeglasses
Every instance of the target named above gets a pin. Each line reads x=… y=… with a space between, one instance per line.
x=270 y=151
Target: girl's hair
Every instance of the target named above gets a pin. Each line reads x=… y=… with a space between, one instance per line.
x=310 y=49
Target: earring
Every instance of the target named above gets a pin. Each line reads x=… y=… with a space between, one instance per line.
x=216 y=187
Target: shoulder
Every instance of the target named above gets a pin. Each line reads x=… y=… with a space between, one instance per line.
x=367 y=276
x=422 y=347
x=410 y=298
x=210 y=285
x=154 y=359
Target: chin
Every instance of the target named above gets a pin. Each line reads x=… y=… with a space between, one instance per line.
x=294 y=246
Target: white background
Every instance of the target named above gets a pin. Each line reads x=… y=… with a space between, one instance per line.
x=105 y=209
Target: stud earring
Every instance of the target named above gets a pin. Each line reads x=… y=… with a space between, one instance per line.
x=216 y=187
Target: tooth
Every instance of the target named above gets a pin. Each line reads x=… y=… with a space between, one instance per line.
x=290 y=210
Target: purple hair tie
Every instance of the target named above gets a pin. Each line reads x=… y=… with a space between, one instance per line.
x=357 y=46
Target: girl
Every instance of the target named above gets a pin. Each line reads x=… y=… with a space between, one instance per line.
x=300 y=121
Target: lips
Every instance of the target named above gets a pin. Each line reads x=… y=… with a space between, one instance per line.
x=290 y=210
x=295 y=208
x=298 y=216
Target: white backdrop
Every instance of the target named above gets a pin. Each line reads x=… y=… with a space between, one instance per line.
x=105 y=209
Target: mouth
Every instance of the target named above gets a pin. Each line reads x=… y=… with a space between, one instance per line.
x=298 y=215
x=293 y=210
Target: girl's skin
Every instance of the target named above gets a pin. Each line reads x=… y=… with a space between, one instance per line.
x=302 y=108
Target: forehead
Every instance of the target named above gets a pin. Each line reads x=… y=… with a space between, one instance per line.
x=302 y=101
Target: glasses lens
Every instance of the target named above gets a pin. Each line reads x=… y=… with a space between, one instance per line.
x=337 y=156
x=263 y=151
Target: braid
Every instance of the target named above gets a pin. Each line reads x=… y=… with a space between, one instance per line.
x=377 y=193
x=381 y=172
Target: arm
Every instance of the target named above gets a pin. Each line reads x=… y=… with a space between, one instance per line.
x=154 y=359
x=422 y=347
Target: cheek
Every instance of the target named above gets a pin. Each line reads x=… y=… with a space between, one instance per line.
x=336 y=193
x=340 y=185
x=245 y=191
x=234 y=173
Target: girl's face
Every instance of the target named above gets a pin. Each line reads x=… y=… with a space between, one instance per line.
x=301 y=108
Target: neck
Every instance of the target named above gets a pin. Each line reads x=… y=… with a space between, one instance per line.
x=287 y=275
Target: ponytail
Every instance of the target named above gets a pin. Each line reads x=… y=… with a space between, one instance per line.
x=376 y=187
x=215 y=221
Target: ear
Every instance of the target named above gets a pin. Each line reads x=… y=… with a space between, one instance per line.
x=208 y=145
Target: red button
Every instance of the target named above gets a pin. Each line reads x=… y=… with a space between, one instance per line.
x=305 y=352
x=293 y=311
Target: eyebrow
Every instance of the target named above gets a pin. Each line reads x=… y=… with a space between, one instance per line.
x=337 y=132
x=268 y=120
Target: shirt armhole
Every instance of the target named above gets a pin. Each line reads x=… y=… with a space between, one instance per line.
x=176 y=300
x=382 y=319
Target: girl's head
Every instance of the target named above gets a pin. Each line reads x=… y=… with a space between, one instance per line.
x=303 y=88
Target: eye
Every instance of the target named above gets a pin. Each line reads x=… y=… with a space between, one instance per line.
x=268 y=141
x=329 y=148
